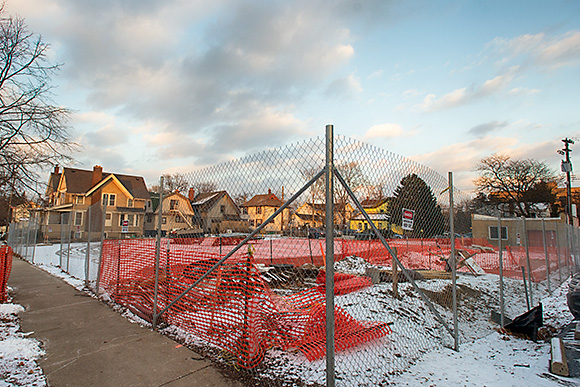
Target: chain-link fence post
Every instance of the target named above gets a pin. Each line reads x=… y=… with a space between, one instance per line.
x=69 y=232
x=452 y=260
x=158 y=250
x=61 y=262
x=36 y=227
x=557 y=236
x=88 y=253
x=528 y=261
x=103 y=224
x=329 y=198
x=500 y=251
x=546 y=255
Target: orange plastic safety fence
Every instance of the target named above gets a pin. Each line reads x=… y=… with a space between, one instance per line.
x=232 y=308
x=5 y=268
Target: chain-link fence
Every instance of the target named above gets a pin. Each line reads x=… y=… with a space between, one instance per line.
x=259 y=262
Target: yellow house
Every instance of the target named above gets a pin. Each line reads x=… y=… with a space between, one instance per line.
x=116 y=204
x=378 y=212
x=260 y=207
x=314 y=214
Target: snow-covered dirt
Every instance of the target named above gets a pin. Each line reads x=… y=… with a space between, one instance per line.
x=417 y=352
x=18 y=351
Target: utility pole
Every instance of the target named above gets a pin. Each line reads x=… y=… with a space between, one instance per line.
x=567 y=168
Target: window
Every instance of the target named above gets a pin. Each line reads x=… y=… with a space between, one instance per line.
x=258 y=210
x=245 y=210
x=105 y=199
x=179 y=219
x=173 y=204
x=108 y=219
x=129 y=203
x=78 y=218
x=222 y=209
x=164 y=220
x=493 y=232
x=112 y=199
x=80 y=200
x=149 y=218
x=131 y=219
x=121 y=219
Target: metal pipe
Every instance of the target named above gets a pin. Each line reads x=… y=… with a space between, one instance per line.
x=525 y=287
x=453 y=265
x=500 y=248
x=157 y=251
x=88 y=254
x=101 y=249
x=546 y=255
x=329 y=197
x=558 y=253
x=527 y=247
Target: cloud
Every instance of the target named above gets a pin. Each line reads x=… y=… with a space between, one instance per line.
x=523 y=91
x=344 y=87
x=465 y=95
x=541 y=50
x=202 y=69
x=383 y=131
x=484 y=129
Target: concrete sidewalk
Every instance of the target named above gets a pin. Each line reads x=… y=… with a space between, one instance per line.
x=89 y=344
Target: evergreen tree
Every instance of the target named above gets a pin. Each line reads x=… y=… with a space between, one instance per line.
x=414 y=194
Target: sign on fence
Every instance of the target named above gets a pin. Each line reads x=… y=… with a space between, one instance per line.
x=125 y=227
x=408 y=216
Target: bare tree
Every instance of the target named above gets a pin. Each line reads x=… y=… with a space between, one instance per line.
x=315 y=191
x=175 y=182
x=355 y=179
x=33 y=131
x=519 y=183
x=205 y=187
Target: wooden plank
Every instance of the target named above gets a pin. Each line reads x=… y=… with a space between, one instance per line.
x=434 y=274
x=558 y=361
x=474 y=267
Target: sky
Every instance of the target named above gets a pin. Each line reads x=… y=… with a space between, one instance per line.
x=171 y=86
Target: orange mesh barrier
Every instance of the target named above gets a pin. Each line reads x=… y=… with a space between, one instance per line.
x=232 y=308
x=343 y=283
x=5 y=268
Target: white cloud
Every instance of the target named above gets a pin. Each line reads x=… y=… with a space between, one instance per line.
x=541 y=49
x=383 y=131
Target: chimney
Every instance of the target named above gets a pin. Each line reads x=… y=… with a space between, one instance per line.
x=97 y=175
x=191 y=194
x=269 y=191
x=56 y=169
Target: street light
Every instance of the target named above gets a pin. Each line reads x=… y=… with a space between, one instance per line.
x=567 y=168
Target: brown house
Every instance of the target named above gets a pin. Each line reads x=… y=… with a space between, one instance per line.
x=260 y=207
x=216 y=212
x=114 y=203
x=177 y=215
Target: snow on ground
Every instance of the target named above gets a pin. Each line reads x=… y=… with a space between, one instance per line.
x=18 y=353
x=486 y=357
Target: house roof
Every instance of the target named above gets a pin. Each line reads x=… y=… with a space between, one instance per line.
x=79 y=181
x=373 y=203
x=381 y=217
x=267 y=200
x=205 y=201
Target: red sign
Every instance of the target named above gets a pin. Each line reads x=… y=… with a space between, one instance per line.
x=408 y=216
